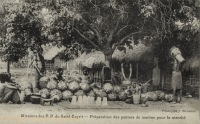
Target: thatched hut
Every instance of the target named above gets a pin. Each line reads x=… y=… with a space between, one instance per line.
x=93 y=62
x=141 y=56
x=52 y=60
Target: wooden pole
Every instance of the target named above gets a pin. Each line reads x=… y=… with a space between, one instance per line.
x=122 y=70
x=197 y=4
x=131 y=71
x=199 y=49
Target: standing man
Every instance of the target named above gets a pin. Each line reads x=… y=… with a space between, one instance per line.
x=38 y=65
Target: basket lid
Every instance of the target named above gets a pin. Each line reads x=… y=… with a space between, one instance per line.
x=35 y=97
x=36 y=94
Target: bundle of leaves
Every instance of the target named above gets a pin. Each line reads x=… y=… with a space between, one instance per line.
x=95 y=85
x=116 y=89
x=85 y=81
x=91 y=93
x=152 y=96
x=45 y=93
x=161 y=95
x=85 y=87
x=73 y=86
x=56 y=94
x=112 y=97
x=108 y=88
x=52 y=84
x=100 y=93
x=169 y=97
x=122 y=96
x=67 y=95
x=62 y=85
x=79 y=93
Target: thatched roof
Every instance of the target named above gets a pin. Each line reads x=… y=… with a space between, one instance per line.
x=53 y=52
x=134 y=54
x=192 y=63
x=91 y=59
x=139 y=52
x=81 y=58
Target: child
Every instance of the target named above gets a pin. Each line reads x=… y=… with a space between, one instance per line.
x=59 y=75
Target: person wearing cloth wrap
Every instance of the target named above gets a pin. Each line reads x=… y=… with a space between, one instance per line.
x=176 y=81
x=38 y=65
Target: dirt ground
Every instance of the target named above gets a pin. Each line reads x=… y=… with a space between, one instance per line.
x=116 y=112
x=61 y=111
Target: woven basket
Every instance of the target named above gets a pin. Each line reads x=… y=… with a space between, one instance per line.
x=43 y=84
x=35 y=99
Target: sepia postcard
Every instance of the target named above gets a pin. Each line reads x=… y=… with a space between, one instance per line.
x=99 y=61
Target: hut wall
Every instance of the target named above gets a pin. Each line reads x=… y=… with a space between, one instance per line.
x=57 y=62
x=144 y=70
x=49 y=65
x=96 y=74
x=72 y=66
x=60 y=63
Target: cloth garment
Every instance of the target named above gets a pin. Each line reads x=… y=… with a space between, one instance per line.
x=176 y=82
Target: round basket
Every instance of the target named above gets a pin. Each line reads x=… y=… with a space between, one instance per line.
x=136 y=98
x=35 y=99
x=43 y=84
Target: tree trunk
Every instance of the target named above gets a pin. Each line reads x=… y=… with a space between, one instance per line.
x=108 y=55
x=108 y=59
x=43 y=69
x=8 y=66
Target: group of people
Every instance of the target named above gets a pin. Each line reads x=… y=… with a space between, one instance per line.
x=10 y=91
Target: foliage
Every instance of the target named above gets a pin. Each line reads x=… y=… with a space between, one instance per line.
x=105 y=25
x=27 y=26
x=109 y=24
